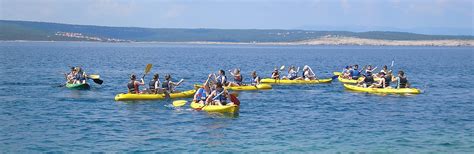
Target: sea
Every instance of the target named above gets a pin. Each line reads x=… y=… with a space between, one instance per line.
x=39 y=114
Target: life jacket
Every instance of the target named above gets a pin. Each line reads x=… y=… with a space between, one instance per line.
x=222 y=97
x=202 y=94
x=388 y=79
x=151 y=84
x=238 y=79
x=355 y=73
x=78 y=76
x=402 y=82
x=132 y=87
x=166 y=85
x=293 y=75
x=219 y=79
x=369 y=79
x=255 y=79
x=275 y=73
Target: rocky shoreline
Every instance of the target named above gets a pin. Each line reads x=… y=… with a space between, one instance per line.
x=335 y=41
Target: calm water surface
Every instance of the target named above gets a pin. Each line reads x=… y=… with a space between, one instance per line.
x=38 y=116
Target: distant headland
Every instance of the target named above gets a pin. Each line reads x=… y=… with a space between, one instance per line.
x=44 y=31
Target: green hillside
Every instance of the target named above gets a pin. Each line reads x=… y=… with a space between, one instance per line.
x=42 y=31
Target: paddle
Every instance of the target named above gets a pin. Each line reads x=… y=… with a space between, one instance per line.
x=233 y=98
x=98 y=81
x=179 y=103
x=282 y=67
x=95 y=78
x=147 y=69
x=177 y=84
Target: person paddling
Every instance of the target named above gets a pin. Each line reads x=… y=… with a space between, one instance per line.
x=402 y=80
x=355 y=72
x=70 y=76
x=308 y=74
x=237 y=78
x=221 y=78
x=201 y=94
x=133 y=85
x=169 y=86
x=255 y=79
x=276 y=74
x=80 y=76
x=292 y=74
x=154 y=84
x=384 y=81
x=346 y=73
x=368 y=80
x=219 y=96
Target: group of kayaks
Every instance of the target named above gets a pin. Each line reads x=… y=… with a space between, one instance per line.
x=349 y=84
x=265 y=84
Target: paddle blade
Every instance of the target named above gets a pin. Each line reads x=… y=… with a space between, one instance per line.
x=148 y=68
x=93 y=76
x=179 y=103
x=234 y=99
x=282 y=67
x=98 y=81
x=334 y=77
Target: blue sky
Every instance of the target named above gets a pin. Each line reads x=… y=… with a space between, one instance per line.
x=420 y=16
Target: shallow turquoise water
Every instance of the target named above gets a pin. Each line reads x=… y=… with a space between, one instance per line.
x=38 y=116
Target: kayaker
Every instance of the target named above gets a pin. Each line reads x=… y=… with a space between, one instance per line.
x=384 y=81
x=133 y=85
x=276 y=74
x=154 y=84
x=292 y=73
x=401 y=79
x=169 y=86
x=308 y=74
x=355 y=72
x=346 y=74
x=237 y=78
x=221 y=78
x=80 y=76
x=368 y=80
x=221 y=95
x=70 y=76
x=384 y=70
x=370 y=69
x=201 y=94
x=255 y=78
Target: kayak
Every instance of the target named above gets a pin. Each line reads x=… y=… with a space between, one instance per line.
x=286 y=81
x=128 y=96
x=348 y=80
x=215 y=108
x=243 y=88
x=81 y=86
x=342 y=80
x=383 y=90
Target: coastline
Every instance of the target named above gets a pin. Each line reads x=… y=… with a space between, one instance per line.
x=329 y=41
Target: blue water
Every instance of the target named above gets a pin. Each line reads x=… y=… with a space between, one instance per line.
x=38 y=116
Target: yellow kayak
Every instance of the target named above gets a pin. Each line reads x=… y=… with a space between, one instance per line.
x=128 y=96
x=353 y=81
x=383 y=90
x=243 y=88
x=285 y=81
x=215 y=108
x=348 y=80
